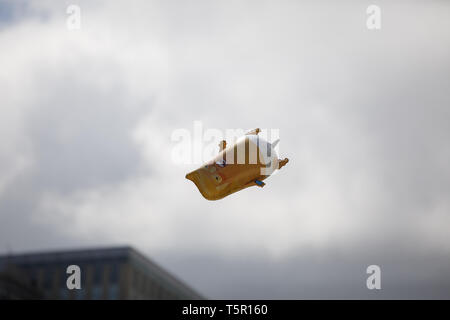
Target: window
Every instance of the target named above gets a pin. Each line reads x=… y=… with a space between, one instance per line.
x=113 y=293
x=97 y=291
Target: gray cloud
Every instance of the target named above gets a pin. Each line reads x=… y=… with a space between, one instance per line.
x=308 y=274
x=363 y=115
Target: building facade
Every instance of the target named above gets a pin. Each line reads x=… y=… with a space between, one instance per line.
x=108 y=274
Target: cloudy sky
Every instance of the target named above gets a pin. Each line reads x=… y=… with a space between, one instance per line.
x=86 y=119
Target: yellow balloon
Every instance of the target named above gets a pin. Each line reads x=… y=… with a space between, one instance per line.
x=245 y=164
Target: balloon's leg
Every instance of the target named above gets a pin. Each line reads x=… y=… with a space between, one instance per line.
x=282 y=163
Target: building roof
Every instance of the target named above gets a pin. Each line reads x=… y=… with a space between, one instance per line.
x=125 y=253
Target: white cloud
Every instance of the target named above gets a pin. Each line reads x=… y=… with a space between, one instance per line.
x=87 y=116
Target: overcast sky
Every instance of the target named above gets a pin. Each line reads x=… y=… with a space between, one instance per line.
x=86 y=118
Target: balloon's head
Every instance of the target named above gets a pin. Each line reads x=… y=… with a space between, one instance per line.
x=209 y=182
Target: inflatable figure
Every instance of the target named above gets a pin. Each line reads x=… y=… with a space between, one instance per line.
x=246 y=163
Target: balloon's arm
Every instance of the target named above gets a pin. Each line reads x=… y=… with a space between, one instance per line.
x=254 y=131
x=256 y=182
x=282 y=163
x=259 y=183
x=222 y=145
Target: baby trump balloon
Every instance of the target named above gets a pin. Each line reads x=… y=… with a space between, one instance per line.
x=244 y=164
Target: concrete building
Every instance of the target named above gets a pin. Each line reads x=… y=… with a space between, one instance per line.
x=16 y=285
x=112 y=273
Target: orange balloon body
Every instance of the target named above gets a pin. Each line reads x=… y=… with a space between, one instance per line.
x=247 y=163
